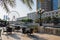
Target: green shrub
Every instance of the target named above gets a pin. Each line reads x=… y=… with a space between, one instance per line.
x=35 y=27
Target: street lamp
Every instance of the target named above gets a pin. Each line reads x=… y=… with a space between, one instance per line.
x=40 y=12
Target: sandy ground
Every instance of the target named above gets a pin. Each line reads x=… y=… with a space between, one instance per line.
x=35 y=36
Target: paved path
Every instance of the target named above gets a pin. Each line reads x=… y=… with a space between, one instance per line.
x=36 y=36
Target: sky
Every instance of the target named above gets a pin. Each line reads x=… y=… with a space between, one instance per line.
x=21 y=8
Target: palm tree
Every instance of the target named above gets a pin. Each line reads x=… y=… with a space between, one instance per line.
x=28 y=3
x=5 y=3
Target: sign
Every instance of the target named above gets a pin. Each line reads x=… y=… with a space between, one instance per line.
x=41 y=1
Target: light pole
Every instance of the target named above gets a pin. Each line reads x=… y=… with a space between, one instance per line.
x=40 y=12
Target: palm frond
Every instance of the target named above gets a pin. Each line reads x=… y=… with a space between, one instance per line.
x=5 y=3
x=28 y=3
x=23 y=1
x=5 y=7
x=32 y=1
x=11 y=3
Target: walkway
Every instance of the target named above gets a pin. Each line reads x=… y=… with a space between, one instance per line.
x=36 y=36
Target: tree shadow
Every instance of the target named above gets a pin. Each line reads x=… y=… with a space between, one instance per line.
x=15 y=36
x=49 y=33
x=34 y=37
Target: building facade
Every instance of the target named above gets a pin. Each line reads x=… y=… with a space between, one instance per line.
x=32 y=15
x=59 y=4
x=21 y=18
x=55 y=4
x=38 y=4
x=55 y=13
x=48 y=5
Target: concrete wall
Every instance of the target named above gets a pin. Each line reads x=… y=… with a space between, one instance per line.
x=32 y=15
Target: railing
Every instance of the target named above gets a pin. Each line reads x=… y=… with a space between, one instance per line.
x=0 y=33
x=50 y=30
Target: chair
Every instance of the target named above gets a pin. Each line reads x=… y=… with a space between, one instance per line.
x=24 y=30
x=17 y=28
x=9 y=30
x=30 y=31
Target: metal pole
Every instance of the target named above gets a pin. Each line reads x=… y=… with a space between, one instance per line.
x=41 y=12
x=8 y=19
x=40 y=19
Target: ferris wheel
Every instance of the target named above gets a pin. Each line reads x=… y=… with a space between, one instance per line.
x=13 y=15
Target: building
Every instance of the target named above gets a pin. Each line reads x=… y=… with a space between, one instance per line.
x=6 y=17
x=32 y=15
x=55 y=4
x=38 y=4
x=59 y=4
x=55 y=13
x=18 y=19
x=48 y=5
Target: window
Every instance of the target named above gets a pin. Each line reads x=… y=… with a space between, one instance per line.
x=52 y=13
x=56 y=12
x=49 y=13
x=46 y=13
x=56 y=15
